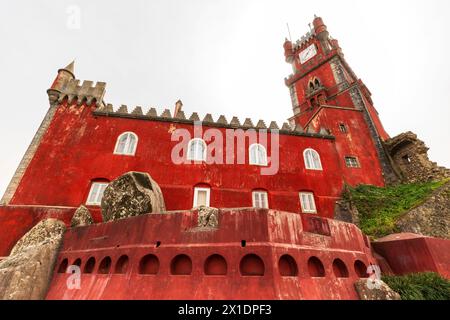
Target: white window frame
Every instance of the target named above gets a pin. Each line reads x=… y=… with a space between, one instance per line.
x=125 y=153
x=305 y=158
x=98 y=193
x=259 y=193
x=309 y=207
x=257 y=161
x=208 y=194
x=191 y=156
x=358 y=165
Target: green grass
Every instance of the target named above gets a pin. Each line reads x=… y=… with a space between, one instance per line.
x=380 y=208
x=420 y=286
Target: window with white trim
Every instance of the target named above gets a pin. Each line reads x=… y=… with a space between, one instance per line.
x=126 y=144
x=201 y=197
x=197 y=150
x=312 y=160
x=307 y=202
x=96 y=193
x=352 y=162
x=260 y=200
x=257 y=155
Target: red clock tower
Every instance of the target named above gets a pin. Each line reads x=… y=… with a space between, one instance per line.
x=326 y=93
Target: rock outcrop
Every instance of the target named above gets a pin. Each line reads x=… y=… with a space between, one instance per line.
x=345 y=211
x=82 y=217
x=27 y=272
x=432 y=218
x=132 y=194
x=208 y=217
x=377 y=291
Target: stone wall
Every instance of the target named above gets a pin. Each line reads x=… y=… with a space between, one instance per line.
x=410 y=157
x=431 y=218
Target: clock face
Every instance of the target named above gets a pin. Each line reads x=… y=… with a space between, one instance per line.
x=308 y=53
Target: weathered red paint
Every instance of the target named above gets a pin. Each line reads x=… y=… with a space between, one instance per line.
x=269 y=234
x=65 y=172
x=15 y=221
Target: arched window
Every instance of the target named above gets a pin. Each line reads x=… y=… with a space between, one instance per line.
x=311 y=85
x=258 y=155
x=312 y=160
x=316 y=83
x=197 y=150
x=126 y=144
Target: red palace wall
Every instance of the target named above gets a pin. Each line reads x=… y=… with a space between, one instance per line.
x=78 y=148
x=355 y=142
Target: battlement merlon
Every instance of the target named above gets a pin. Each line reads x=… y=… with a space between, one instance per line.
x=165 y=116
x=67 y=86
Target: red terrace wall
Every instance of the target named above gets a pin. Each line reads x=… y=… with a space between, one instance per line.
x=269 y=234
x=18 y=220
x=356 y=142
x=418 y=254
x=78 y=147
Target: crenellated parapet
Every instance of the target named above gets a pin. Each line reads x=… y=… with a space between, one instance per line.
x=86 y=92
x=66 y=86
x=235 y=123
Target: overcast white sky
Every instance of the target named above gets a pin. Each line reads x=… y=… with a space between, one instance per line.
x=221 y=57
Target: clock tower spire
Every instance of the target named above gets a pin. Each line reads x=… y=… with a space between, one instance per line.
x=326 y=93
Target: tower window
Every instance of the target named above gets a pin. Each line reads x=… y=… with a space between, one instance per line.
x=201 y=197
x=312 y=160
x=260 y=200
x=258 y=155
x=352 y=162
x=317 y=83
x=343 y=128
x=96 y=193
x=307 y=202
x=406 y=159
x=126 y=144
x=197 y=150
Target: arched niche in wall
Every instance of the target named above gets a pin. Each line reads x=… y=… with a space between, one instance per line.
x=215 y=265
x=252 y=265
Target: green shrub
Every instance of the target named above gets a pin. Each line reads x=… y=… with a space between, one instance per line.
x=380 y=208
x=420 y=286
